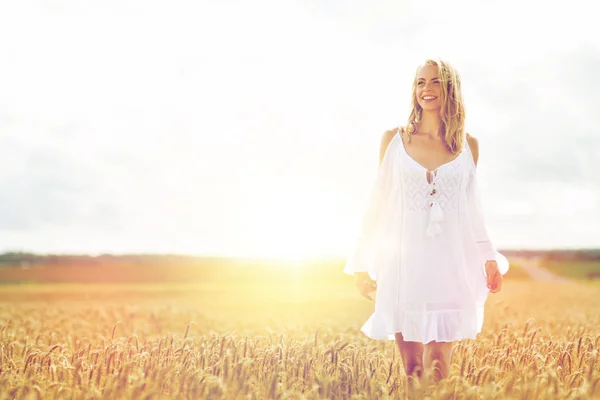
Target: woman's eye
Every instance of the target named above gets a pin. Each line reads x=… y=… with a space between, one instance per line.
x=436 y=82
x=420 y=83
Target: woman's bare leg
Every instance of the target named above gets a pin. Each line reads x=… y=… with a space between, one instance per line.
x=437 y=358
x=412 y=358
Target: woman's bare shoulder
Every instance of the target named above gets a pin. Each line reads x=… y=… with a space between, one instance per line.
x=385 y=141
x=474 y=146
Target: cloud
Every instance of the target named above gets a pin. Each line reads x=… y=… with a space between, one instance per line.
x=45 y=184
x=135 y=125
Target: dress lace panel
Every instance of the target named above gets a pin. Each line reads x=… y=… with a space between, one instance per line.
x=447 y=185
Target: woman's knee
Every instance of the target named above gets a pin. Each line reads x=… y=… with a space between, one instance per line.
x=441 y=352
x=411 y=354
x=409 y=348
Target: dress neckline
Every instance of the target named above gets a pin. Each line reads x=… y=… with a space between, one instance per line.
x=419 y=164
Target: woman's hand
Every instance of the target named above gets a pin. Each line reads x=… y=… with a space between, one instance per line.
x=494 y=277
x=365 y=284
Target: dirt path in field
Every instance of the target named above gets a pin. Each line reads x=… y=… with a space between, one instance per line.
x=538 y=273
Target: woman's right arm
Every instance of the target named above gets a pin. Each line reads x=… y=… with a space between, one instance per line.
x=360 y=263
x=363 y=281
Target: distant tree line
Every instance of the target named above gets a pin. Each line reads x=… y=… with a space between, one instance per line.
x=26 y=259
x=32 y=259
x=564 y=255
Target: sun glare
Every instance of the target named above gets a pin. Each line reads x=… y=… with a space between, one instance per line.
x=292 y=227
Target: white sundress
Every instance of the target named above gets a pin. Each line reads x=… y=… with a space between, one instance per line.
x=424 y=240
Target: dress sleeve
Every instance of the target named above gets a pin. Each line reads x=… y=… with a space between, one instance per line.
x=362 y=257
x=485 y=246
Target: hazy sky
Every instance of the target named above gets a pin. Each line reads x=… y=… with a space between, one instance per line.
x=253 y=128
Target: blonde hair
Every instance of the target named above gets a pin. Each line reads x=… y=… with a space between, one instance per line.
x=452 y=112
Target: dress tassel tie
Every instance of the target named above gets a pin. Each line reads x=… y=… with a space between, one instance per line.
x=436 y=214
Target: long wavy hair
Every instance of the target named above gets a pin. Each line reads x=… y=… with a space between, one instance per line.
x=452 y=112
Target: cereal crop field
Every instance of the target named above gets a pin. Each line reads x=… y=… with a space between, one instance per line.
x=280 y=340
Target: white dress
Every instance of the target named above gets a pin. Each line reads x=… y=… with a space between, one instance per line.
x=425 y=243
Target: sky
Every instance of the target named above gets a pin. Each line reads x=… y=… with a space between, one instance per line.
x=243 y=128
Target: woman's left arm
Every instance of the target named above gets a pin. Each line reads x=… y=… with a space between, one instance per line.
x=494 y=261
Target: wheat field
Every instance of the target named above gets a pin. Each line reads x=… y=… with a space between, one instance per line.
x=293 y=341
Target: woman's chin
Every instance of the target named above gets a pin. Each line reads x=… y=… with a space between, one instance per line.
x=430 y=108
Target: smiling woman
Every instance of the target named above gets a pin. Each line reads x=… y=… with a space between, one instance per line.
x=424 y=245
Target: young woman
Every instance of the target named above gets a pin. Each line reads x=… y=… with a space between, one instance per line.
x=423 y=246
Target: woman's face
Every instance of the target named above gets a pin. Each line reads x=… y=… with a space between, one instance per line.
x=429 y=89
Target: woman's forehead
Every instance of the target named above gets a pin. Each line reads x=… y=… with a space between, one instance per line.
x=428 y=72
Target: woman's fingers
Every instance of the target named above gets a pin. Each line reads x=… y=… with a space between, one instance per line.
x=370 y=288
x=365 y=284
x=366 y=287
x=498 y=282
x=494 y=281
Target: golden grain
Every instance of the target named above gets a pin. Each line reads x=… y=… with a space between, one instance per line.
x=246 y=345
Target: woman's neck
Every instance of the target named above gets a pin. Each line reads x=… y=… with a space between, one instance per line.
x=430 y=125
